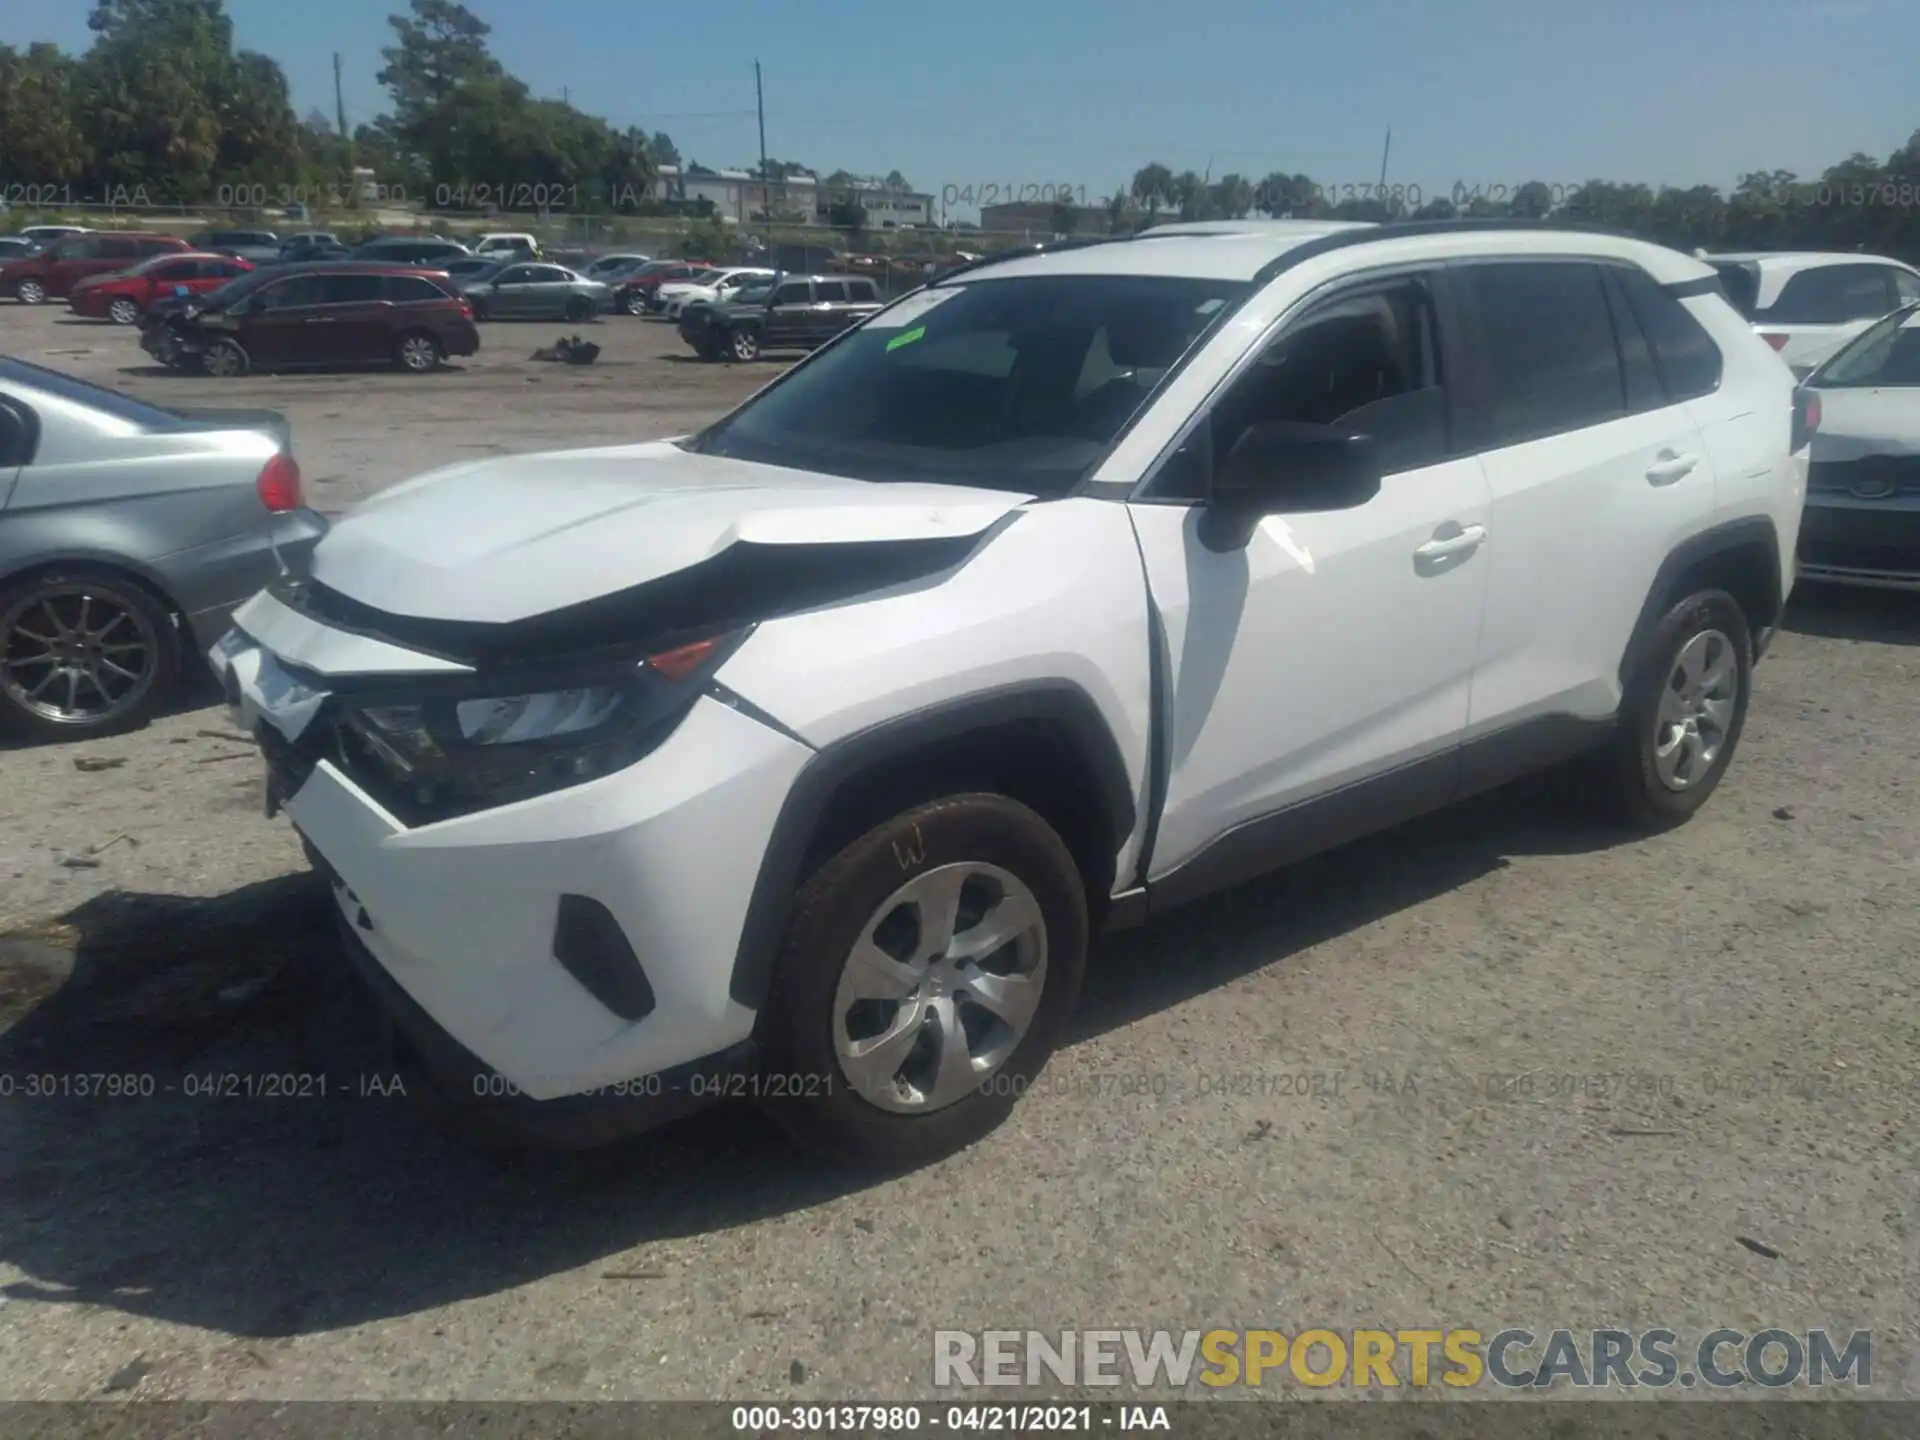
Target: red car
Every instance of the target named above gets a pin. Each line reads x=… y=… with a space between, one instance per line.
x=126 y=296
x=635 y=295
x=55 y=270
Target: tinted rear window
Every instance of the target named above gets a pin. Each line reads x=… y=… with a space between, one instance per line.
x=1834 y=295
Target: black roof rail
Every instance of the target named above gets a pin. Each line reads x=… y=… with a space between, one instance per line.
x=1395 y=230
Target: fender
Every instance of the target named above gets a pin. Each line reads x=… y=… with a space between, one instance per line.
x=1057 y=703
x=1721 y=539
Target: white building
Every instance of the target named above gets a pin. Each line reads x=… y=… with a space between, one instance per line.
x=739 y=195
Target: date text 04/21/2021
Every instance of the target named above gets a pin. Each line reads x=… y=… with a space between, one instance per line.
x=955 y=1419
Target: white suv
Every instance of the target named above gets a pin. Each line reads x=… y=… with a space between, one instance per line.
x=1807 y=304
x=801 y=758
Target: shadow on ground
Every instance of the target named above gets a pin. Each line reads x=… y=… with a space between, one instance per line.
x=279 y=1215
x=196 y=690
x=1844 y=612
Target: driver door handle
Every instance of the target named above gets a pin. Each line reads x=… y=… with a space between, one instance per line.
x=1457 y=541
x=1668 y=467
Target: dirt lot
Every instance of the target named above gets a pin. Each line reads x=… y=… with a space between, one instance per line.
x=1717 y=1035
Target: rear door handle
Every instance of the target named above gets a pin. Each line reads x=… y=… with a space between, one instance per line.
x=1668 y=467
x=1461 y=541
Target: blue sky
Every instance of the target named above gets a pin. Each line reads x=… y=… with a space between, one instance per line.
x=1082 y=92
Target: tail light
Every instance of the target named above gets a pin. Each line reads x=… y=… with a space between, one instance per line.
x=1774 y=338
x=1806 y=416
x=279 y=484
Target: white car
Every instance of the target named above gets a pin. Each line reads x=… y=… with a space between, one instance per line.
x=803 y=757
x=1807 y=304
x=508 y=242
x=714 y=286
x=1862 y=525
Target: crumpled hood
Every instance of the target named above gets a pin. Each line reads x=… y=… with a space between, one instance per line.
x=509 y=538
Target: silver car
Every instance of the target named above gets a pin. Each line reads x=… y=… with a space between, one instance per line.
x=534 y=290
x=128 y=534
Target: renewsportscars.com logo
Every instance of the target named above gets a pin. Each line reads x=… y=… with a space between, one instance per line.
x=1512 y=1358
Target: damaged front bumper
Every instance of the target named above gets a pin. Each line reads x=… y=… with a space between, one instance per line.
x=462 y=926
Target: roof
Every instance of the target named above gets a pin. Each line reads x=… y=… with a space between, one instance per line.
x=1248 y=250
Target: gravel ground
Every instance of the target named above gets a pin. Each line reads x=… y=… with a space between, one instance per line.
x=1756 y=973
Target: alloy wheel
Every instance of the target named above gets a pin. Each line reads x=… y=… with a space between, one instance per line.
x=30 y=292
x=1696 y=710
x=941 y=987
x=746 y=345
x=75 y=654
x=124 y=312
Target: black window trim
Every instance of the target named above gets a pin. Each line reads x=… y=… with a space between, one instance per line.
x=28 y=420
x=1451 y=356
x=1679 y=293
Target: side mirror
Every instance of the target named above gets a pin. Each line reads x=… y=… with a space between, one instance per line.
x=1288 y=468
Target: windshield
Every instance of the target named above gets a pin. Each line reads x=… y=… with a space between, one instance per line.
x=1012 y=384
x=226 y=294
x=754 y=293
x=1885 y=353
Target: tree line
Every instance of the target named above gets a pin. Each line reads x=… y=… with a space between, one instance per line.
x=162 y=104
x=1861 y=203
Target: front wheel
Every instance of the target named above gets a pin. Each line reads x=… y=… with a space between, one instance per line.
x=744 y=344
x=929 y=970
x=1681 y=717
x=223 y=359
x=635 y=304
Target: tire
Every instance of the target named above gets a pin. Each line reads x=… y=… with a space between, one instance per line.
x=743 y=344
x=1694 y=679
x=224 y=359
x=579 y=309
x=124 y=311
x=417 y=352
x=120 y=615
x=902 y=1108
x=635 y=304
x=30 y=292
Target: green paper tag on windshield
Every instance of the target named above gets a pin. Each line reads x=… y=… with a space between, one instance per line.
x=905 y=337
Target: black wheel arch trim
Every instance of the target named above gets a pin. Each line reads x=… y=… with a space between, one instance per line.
x=1055 y=702
x=1721 y=539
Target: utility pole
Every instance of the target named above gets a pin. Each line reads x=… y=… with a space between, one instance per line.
x=1384 y=151
x=340 y=113
x=760 y=106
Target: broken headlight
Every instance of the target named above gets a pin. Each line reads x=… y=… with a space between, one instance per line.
x=438 y=756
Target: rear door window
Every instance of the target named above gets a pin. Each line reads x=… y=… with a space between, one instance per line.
x=830 y=290
x=1552 y=360
x=352 y=290
x=863 y=292
x=794 y=292
x=113 y=248
x=292 y=294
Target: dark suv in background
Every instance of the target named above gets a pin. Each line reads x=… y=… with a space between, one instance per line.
x=796 y=312
x=335 y=314
x=51 y=274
